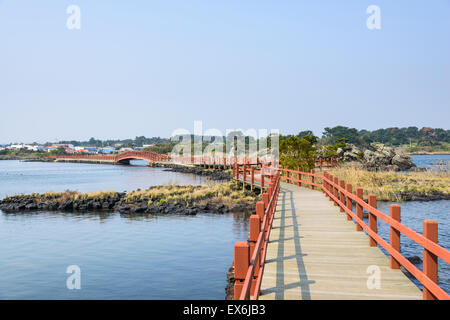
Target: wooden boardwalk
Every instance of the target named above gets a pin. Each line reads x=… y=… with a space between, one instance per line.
x=315 y=253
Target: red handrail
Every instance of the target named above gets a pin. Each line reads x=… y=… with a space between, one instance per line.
x=427 y=244
x=343 y=198
x=252 y=258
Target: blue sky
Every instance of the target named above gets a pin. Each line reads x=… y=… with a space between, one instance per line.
x=149 y=67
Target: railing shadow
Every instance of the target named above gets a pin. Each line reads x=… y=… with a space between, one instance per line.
x=304 y=283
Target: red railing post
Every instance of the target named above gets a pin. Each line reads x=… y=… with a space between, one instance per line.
x=359 y=208
x=260 y=210
x=265 y=199
x=253 y=176
x=430 y=261
x=255 y=228
x=330 y=186
x=373 y=219
x=262 y=182
x=241 y=264
x=312 y=179
x=244 y=175
x=349 y=201
x=287 y=174
x=341 y=196
x=335 y=190
x=395 y=235
x=299 y=176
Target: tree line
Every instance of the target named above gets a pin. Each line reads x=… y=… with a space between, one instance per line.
x=395 y=136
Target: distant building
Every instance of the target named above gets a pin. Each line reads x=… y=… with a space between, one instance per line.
x=16 y=147
x=50 y=148
x=126 y=149
x=108 y=150
x=92 y=150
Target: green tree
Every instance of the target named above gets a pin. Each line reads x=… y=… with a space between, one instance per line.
x=60 y=150
x=297 y=152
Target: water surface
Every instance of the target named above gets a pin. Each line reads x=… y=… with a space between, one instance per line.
x=120 y=257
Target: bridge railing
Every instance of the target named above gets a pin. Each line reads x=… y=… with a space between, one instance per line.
x=343 y=196
x=253 y=174
x=81 y=156
x=330 y=162
x=144 y=155
x=249 y=256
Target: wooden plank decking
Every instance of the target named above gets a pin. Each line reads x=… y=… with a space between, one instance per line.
x=315 y=253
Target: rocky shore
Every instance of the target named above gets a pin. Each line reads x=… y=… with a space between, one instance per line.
x=229 y=288
x=378 y=157
x=181 y=200
x=213 y=174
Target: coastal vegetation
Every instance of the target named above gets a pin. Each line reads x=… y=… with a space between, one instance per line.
x=173 y=199
x=20 y=154
x=412 y=138
x=391 y=186
x=298 y=152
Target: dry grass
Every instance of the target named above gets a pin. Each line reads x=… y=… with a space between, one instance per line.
x=390 y=185
x=219 y=193
x=225 y=193
x=73 y=195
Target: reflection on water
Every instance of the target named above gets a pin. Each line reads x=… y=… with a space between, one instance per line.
x=431 y=161
x=27 y=177
x=141 y=256
x=120 y=256
x=412 y=215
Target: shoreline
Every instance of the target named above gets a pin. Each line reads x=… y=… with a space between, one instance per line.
x=424 y=153
x=178 y=200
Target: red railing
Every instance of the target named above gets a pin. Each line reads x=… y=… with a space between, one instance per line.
x=342 y=195
x=330 y=162
x=143 y=155
x=216 y=160
x=82 y=156
x=250 y=256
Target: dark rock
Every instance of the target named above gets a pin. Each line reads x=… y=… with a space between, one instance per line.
x=31 y=206
x=229 y=288
x=415 y=259
x=191 y=211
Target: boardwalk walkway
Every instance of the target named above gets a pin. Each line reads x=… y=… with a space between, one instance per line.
x=315 y=253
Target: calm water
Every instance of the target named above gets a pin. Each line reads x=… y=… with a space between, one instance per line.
x=414 y=212
x=152 y=257
x=27 y=177
x=412 y=215
x=430 y=161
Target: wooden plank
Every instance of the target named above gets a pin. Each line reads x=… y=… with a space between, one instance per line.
x=315 y=253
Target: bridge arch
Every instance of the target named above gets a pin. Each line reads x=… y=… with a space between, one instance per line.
x=125 y=157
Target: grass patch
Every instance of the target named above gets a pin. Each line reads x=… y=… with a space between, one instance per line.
x=390 y=186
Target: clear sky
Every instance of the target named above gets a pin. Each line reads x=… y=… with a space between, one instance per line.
x=148 y=67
